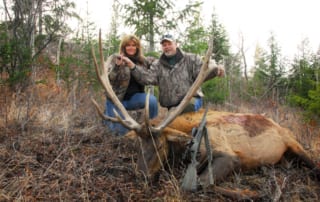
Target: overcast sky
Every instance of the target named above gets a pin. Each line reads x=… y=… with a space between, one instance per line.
x=290 y=20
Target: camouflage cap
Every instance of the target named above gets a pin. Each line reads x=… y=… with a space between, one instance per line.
x=167 y=37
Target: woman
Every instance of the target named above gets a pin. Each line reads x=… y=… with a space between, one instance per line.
x=129 y=91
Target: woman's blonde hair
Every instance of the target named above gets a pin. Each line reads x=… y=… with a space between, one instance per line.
x=124 y=42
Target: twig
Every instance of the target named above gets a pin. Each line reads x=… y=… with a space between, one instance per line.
x=279 y=189
x=47 y=170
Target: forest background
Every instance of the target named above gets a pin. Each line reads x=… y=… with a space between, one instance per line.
x=47 y=79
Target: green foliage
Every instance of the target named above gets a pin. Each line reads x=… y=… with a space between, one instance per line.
x=311 y=104
x=19 y=77
x=215 y=90
x=152 y=17
x=306 y=94
x=5 y=48
x=314 y=105
x=196 y=39
x=268 y=81
x=221 y=47
x=23 y=42
x=112 y=44
x=304 y=82
x=19 y=67
x=196 y=42
x=298 y=101
x=143 y=15
x=302 y=77
x=65 y=69
x=257 y=85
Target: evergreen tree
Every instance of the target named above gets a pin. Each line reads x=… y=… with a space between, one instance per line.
x=304 y=81
x=217 y=90
x=152 y=17
x=258 y=82
x=221 y=47
x=268 y=79
x=196 y=37
x=302 y=73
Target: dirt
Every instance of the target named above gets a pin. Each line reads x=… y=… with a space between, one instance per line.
x=86 y=163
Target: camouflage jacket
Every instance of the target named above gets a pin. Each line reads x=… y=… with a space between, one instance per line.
x=120 y=76
x=173 y=81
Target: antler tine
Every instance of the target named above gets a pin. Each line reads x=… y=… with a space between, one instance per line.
x=101 y=112
x=205 y=70
x=146 y=117
x=102 y=74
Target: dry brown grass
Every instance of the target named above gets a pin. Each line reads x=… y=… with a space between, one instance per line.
x=57 y=150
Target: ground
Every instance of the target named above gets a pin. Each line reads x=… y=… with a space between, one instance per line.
x=57 y=149
x=88 y=164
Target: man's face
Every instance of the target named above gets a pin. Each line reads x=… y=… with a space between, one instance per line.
x=169 y=48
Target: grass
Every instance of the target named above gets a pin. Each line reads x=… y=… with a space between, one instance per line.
x=54 y=148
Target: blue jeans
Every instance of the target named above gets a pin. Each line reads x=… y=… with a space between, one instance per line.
x=137 y=101
x=197 y=103
x=193 y=106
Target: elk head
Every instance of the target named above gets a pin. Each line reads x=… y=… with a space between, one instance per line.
x=154 y=138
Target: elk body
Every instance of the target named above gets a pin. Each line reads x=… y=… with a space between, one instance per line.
x=238 y=141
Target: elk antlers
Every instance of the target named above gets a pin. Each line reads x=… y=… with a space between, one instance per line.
x=102 y=74
x=128 y=121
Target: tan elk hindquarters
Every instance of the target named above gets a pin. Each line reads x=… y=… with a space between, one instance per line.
x=238 y=141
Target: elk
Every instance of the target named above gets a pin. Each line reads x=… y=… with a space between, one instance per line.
x=237 y=140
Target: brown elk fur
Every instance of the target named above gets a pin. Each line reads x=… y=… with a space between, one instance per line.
x=238 y=141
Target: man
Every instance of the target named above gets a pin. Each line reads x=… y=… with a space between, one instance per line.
x=174 y=73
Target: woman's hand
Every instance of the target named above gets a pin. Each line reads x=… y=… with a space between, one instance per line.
x=121 y=59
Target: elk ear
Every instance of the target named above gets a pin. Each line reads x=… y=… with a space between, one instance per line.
x=176 y=136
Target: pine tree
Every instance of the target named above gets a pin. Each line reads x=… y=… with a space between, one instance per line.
x=304 y=81
x=154 y=17
x=217 y=90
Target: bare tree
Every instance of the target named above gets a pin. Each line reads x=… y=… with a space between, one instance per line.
x=25 y=40
x=243 y=55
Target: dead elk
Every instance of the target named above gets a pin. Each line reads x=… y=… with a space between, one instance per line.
x=237 y=140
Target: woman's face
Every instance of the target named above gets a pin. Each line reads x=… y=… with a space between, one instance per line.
x=131 y=48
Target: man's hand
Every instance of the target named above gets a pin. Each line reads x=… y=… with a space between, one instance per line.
x=220 y=70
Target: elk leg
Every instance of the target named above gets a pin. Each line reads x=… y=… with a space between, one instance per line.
x=296 y=149
x=222 y=166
